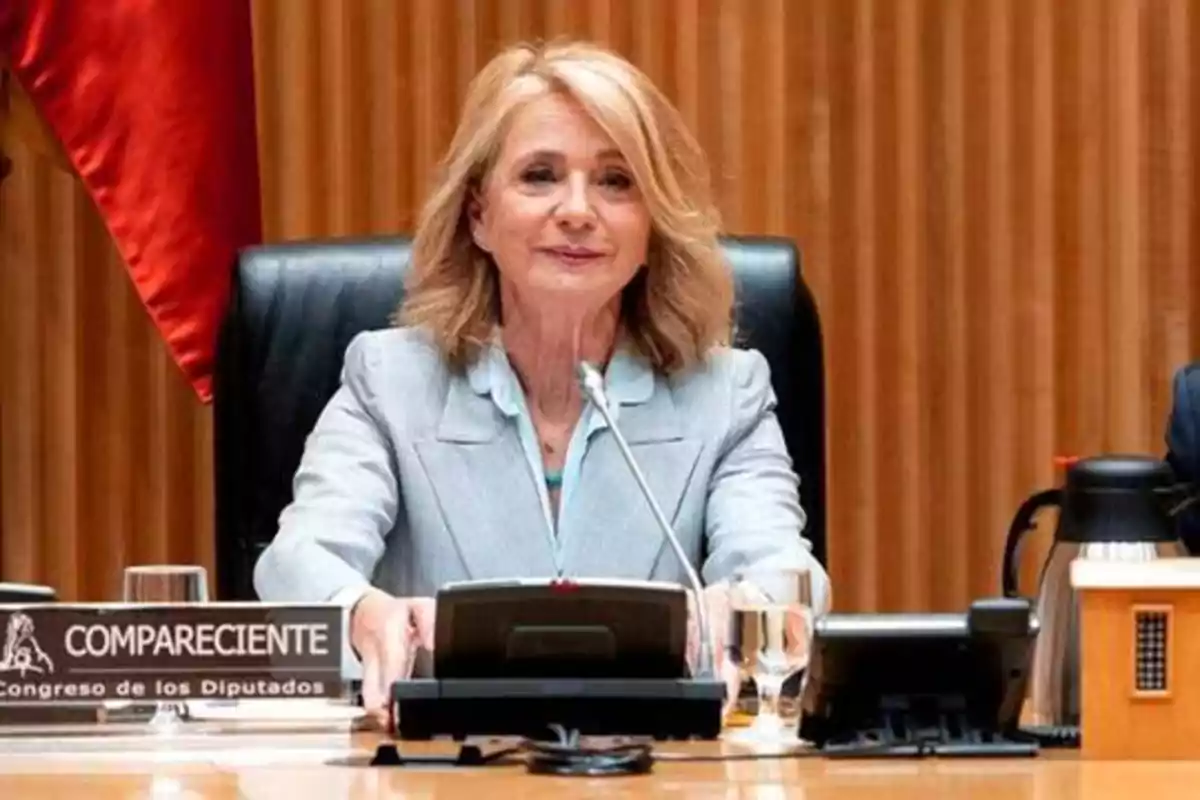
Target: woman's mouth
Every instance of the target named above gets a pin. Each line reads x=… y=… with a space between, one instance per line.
x=575 y=256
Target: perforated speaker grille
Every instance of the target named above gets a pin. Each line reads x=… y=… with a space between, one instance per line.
x=1151 y=650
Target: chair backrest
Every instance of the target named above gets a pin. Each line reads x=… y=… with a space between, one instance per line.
x=296 y=306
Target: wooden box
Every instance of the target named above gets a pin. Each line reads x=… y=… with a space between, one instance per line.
x=1139 y=658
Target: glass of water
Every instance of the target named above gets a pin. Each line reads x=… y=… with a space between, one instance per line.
x=769 y=639
x=166 y=583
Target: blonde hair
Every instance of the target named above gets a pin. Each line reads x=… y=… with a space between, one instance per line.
x=677 y=308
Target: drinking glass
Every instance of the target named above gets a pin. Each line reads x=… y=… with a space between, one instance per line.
x=166 y=583
x=769 y=639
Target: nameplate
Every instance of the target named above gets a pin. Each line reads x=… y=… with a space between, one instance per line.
x=68 y=653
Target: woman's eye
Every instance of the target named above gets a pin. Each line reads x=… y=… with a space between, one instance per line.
x=617 y=180
x=538 y=175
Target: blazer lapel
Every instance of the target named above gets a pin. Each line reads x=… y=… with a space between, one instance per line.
x=488 y=499
x=609 y=530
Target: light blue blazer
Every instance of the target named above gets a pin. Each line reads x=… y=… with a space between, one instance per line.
x=413 y=476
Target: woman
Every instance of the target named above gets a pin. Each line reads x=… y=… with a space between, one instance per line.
x=572 y=222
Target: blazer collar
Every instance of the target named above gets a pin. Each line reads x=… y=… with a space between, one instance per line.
x=479 y=403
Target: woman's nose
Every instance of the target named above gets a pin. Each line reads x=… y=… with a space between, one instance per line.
x=576 y=206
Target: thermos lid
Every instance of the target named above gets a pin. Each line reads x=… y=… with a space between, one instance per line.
x=1128 y=472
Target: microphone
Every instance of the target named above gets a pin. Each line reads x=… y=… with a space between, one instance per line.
x=592 y=384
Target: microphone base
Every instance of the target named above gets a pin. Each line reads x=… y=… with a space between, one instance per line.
x=461 y=707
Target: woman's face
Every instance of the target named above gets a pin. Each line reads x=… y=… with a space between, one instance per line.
x=559 y=213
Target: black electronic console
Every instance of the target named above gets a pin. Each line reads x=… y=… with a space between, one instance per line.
x=921 y=684
x=26 y=593
x=600 y=657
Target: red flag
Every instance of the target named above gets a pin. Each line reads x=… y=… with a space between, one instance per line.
x=153 y=101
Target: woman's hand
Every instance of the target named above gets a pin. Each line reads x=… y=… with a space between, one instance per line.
x=716 y=603
x=386 y=632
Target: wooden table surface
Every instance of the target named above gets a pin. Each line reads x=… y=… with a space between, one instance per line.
x=329 y=761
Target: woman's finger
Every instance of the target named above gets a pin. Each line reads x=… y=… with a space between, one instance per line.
x=716 y=601
x=424 y=617
x=372 y=681
x=396 y=644
x=733 y=684
x=692 y=642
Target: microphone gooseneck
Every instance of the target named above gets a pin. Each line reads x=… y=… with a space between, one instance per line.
x=592 y=384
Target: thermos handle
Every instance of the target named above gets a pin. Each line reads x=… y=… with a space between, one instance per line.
x=1183 y=496
x=1022 y=523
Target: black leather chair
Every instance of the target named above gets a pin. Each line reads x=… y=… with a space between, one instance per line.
x=295 y=307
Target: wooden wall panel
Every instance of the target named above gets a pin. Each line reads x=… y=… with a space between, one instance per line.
x=995 y=199
x=104 y=452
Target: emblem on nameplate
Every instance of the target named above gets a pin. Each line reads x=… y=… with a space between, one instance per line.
x=22 y=653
